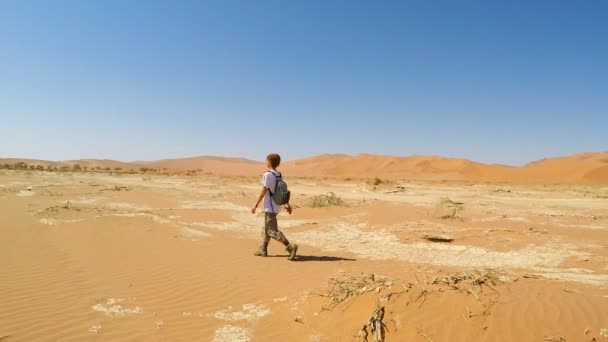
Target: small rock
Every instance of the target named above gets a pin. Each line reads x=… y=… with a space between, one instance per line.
x=95 y=328
x=438 y=238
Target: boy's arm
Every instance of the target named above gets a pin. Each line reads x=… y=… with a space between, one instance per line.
x=260 y=198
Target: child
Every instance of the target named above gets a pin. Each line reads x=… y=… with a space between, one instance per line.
x=271 y=209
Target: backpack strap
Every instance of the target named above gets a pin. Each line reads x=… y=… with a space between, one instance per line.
x=274 y=174
x=275 y=188
x=276 y=182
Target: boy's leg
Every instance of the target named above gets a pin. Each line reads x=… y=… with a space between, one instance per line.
x=272 y=230
x=263 y=249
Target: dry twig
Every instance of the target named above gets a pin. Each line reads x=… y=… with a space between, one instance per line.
x=421 y=333
x=376 y=327
x=343 y=287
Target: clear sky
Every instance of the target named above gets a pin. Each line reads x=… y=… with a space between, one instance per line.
x=493 y=81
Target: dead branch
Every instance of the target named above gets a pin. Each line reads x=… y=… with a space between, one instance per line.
x=375 y=325
x=421 y=333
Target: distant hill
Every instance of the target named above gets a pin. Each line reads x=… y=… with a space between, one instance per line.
x=215 y=165
x=417 y=167
x=590 y=167
x=580 y=167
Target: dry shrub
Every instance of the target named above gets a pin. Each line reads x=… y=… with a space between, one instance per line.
x=378 y=181
x=375 y=181
x=342 y=286
x=448 y=209
x=328 y=200
x=375 y=325
x=467 y=282
x=477 y=277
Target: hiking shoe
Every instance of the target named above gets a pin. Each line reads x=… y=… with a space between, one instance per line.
x=260 y=252
x=292 y=248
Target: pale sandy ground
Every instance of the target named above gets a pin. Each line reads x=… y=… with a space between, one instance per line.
x=89 y=257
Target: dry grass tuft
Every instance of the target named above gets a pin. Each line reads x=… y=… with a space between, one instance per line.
x=466 y=282
x=478 y=277
x=342 y=286
x=375 y=181
x=448 y=209
x=328 y=200
x=376 y=327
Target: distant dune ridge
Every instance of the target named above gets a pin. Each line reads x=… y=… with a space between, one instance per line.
x=589 y=167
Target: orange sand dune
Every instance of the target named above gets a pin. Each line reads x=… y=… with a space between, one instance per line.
x=591 y=167
x=216 y=165
x=418 y=167
x=578 y=168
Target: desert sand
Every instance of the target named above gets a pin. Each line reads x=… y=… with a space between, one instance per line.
x=92 y=256
x=581 y=168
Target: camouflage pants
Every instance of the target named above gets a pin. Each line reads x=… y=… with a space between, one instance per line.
x=271 y=227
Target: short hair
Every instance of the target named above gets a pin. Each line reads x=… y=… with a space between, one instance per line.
x=275 y=159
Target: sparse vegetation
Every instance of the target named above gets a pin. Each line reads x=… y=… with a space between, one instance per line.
x=189 y=172
x=375 y=181
x=20 y=166
x=448 y=209
x=343 y=286
x=375 y=325
x=327 y=200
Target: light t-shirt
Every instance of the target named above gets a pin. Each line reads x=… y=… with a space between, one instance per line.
x=269 y=181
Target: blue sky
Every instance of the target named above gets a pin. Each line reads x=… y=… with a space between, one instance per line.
x=493 y=81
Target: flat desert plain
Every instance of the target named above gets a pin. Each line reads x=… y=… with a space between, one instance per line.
x=117 y=257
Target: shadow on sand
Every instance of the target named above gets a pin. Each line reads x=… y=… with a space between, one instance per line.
x=314 y=258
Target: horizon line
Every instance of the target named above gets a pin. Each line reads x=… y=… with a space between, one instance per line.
x=306 y=157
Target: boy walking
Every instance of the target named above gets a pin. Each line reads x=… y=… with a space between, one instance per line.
x=271 y=209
